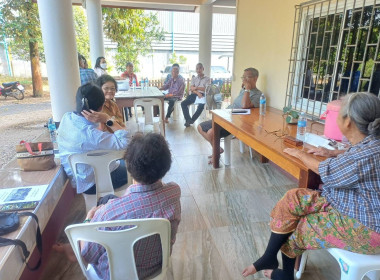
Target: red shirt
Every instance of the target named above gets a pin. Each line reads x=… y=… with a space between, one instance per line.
x=126 y=75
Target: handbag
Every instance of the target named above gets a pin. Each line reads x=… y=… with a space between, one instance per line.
x=10 y=222
x=35 y=156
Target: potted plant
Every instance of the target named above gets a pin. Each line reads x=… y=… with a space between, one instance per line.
x=291 y=115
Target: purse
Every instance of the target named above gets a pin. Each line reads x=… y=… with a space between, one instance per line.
x=10 y=222
x=35 y=156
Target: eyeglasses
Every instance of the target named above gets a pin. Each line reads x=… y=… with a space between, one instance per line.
x=246 y=77
x=109 y=89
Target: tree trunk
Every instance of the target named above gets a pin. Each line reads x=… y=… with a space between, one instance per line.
x=36 y=70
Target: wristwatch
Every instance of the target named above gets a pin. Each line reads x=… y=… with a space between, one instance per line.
x=109 y=123
x=247 y=90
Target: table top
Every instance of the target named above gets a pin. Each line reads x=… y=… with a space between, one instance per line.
x=266 y=132
x=152 y=92
x=11 y=176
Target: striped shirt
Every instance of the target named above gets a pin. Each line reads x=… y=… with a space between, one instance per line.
x=140 y=201
x=352 y=182
x=175 y=87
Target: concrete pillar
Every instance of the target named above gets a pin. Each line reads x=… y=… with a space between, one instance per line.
x=205 y=36
x=57 y=26
x=95 y=29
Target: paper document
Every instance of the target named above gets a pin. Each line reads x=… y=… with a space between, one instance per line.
x=241 y=111
x=317 y=141
x=23 y=194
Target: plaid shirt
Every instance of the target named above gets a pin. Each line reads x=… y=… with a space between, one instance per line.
x=176 y=87
x=352 y=182
x=87 y=76
x=140 y=201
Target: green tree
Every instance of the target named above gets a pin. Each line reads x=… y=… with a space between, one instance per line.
x=20 y=23
x=133 y=31
x=173 y=58
x=81 y=33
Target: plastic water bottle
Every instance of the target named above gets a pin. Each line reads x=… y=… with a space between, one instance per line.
x=301 y=127
x=146 y=83
x=142 y=84
x=263 y=104
x=52 y=130
x=134 y=84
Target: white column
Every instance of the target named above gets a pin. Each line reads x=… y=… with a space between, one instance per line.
x=205 y=36
x=95 y=29
x=57 y=26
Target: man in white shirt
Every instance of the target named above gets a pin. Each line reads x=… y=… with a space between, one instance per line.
x=197 y=95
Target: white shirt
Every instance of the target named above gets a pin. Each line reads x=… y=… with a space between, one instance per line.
x=197 y=81
x=99 y=71
x=78 y=135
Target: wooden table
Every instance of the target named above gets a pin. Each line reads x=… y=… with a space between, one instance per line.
x=51 y=212
x=126 y=98
x=258 y=133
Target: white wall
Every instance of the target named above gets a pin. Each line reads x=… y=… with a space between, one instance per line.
x=263 y=40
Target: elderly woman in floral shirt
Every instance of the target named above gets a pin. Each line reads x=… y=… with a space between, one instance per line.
x=346 y=214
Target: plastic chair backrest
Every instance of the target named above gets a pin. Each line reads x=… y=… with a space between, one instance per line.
x=148 y=104
x=100 y=161
x=119 y=243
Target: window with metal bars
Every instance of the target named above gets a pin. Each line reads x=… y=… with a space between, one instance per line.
x=335 y=51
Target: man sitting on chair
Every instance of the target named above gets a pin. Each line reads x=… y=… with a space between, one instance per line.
x=248 y=97
x=176 y=86
x=148 y=159
x=196 y=96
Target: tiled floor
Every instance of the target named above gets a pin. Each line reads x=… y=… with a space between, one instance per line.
x=225 y=214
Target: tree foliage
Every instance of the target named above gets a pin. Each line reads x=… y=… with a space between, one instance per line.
x=175 y=59
x=133 y=31
x=21 y=25
x=81 y=33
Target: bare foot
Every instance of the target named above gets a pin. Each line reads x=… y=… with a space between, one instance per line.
x=65 y=249
x=249 y=270
x=268 y=273
x=221 y=151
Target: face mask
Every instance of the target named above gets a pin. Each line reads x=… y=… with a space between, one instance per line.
x=103 y=65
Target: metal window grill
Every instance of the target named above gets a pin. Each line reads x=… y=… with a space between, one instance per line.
x=335 y=51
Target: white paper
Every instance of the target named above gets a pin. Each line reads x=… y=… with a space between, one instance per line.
x=200 y=100
x=23 y=194
x=240 y=111
x=317 y=141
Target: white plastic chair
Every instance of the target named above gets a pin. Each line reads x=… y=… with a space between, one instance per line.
x=100 y=162
x=149 y=119
x=175 y=113
x=353 y=266
x=119 y=244
x=227 y=149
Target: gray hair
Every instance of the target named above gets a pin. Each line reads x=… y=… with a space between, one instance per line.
x=254 y=71
x=129 y=64
x=363 y=108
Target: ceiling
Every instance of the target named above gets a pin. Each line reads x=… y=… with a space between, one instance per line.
x=219 y=6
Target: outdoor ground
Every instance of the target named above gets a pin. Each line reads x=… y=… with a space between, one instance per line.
x=22 y=119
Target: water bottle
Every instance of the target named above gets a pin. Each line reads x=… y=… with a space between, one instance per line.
x=142 y=84
x=52 y=130
x=263 y=104
x=146 y=83
x=134 y=84
x=301 y=127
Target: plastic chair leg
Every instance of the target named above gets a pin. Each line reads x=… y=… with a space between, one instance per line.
x=241 y=146
x=227 y=150
x=301 y=269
